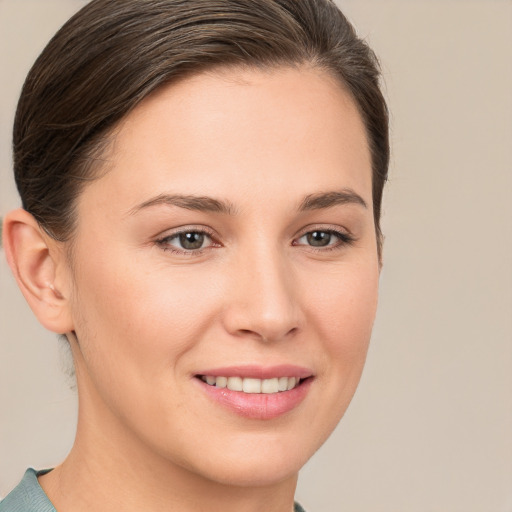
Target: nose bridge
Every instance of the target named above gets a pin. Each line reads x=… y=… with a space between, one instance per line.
x=264 y=302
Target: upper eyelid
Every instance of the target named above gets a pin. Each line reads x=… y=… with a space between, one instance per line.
x=343 y=238
x=324 y=227
x=170 y=233
x=330 y=231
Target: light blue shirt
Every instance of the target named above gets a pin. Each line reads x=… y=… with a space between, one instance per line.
x=28 y=496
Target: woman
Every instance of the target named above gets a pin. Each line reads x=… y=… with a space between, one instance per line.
x=201 y=185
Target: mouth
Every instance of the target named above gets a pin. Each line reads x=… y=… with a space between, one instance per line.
x=257 y=393
x=251 y=385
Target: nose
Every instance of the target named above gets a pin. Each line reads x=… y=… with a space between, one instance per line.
x=262 y=301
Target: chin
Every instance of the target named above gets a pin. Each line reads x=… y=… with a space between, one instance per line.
x=252 y=471
x=257 y=460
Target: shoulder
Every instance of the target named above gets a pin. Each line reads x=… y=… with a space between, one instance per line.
x=27 y=496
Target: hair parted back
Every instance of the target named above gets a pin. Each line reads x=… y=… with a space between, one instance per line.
x=114 y=53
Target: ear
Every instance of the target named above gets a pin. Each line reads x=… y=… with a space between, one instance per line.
x=41 y=270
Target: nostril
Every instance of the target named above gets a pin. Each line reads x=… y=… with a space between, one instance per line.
x=267 y=335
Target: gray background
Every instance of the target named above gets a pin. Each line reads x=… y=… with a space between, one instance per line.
x=430 y=428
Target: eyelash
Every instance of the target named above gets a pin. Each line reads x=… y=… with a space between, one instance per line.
x=344 y=239
x=163 y=242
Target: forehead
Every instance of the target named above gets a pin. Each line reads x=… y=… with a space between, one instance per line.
x=240 y=130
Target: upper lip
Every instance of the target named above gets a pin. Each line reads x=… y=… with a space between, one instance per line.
x=259 y=372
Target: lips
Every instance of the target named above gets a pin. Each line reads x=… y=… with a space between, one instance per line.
x=257 y=392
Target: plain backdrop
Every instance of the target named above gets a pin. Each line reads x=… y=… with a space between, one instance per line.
x=430 y=428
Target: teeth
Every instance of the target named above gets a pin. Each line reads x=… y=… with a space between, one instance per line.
x=235 y=384
x=252 y=386
x=249 y=385
x=221 y=382
x=283 y=383
x=270 y=385
x=291 y=383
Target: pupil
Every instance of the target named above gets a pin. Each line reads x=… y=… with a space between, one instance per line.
x=319 y=238
x=191 y=240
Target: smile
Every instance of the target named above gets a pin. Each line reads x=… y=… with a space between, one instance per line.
x=251 y=385
x=254 y=392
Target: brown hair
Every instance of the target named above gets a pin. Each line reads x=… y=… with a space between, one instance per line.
x=114 y=53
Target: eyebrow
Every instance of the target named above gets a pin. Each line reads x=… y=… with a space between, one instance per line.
x=189 y=202
x=317 y=201
x=323 y=200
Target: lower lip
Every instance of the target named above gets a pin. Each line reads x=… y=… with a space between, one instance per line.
x=258 y=406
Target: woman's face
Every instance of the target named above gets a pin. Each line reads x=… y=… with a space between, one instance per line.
x=231 y=239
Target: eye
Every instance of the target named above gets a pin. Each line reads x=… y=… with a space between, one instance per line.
x=186 y=241
x=328 y=238
x=318 y=238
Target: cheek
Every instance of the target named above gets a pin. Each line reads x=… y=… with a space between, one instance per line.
x=345 y=307
x=134 y=328
x=344 y=316
x=140 y=317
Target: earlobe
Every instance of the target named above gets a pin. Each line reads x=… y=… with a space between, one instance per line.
x=35 y=260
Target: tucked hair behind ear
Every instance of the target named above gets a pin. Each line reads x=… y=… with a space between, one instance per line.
x=114 y=53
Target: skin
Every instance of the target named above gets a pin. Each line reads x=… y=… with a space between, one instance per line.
x=149 y=318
